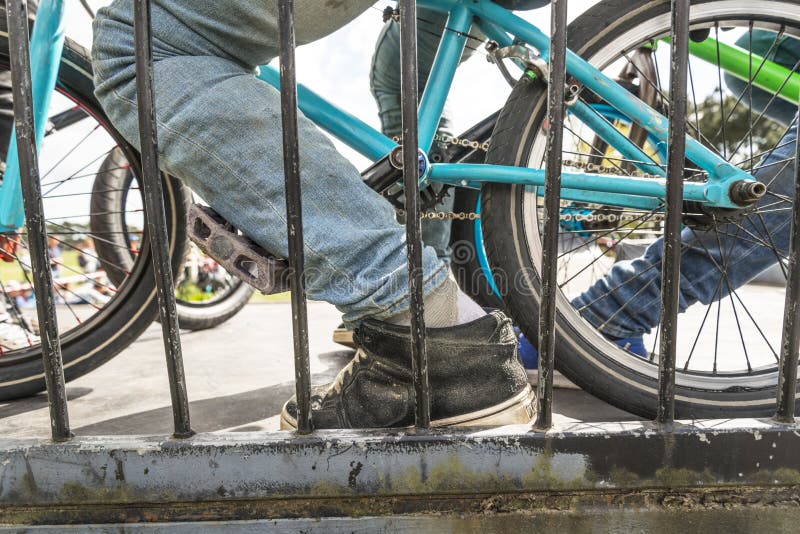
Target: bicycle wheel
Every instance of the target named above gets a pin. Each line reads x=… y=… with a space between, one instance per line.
x=206 y=294
x=728 y=338
x=97 y=317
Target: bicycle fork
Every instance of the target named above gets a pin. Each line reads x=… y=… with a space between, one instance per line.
x=47 y=43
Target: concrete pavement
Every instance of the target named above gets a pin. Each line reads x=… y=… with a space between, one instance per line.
x=238 y=377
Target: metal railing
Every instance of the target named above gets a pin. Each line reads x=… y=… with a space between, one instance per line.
x=20 y=67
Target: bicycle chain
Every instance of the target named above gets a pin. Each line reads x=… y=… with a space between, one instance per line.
x=566 y=217
x=444 y=215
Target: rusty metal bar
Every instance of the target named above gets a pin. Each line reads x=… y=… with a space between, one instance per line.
x=671 y=268
x=156 y=220
x=294 y=215
x=411 y=164
x=552 y=200
x=22 y=88
x=790 y=336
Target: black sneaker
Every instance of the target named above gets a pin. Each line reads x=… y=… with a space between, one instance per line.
x=476 y=379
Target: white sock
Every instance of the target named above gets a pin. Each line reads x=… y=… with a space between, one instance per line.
x=446 y=306
x=468 y=309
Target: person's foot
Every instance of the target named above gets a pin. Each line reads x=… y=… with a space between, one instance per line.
x=530 y=355
x=527 y=352
x=530 y=359
x=475 y=376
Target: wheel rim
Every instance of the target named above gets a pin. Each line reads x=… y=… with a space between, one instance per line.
x=69 y=160
x=719 y=373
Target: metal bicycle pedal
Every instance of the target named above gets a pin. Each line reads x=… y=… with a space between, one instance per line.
x=236 y=253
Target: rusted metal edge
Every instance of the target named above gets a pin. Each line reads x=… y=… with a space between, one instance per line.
x=214 y=468
x=294 y=215
x=22 y=88
x=724 y=510
x=676 y=161
x=408 y=103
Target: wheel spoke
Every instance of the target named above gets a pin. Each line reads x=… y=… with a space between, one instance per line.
x=70 y=152
x=609 y=249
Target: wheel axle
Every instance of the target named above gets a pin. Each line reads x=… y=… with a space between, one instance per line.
x=747 y=192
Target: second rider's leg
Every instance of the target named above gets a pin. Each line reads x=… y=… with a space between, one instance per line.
x=626 y=302
x=385 y=85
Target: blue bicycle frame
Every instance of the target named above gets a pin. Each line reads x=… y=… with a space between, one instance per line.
x=47 y=42
x=501 y=26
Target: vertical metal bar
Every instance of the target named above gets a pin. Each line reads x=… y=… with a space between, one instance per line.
x=22 y=89
x=156 y=220
x=409 y=99
x=790 y=337
x=552 y=200
x=676 y=156
x=294 y=215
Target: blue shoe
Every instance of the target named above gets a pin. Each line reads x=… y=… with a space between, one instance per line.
x=530 y=356
x=528 y=353
x=634 y=345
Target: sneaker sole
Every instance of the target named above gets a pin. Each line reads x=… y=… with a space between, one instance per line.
x=344 y=337
x=518 y=410
x=559 y=381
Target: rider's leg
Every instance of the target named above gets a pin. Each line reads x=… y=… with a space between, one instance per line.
x=626 y=302
x=785 y=52
x=385 y=85
x=219 y=130
x=217 y=119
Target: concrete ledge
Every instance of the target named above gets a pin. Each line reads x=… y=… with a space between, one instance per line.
x=628 y=519
x=330 y=474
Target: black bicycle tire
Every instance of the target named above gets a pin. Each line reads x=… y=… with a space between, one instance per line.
x=203 y=317
x=123 y=322
x=507 y=248
x=110 y=190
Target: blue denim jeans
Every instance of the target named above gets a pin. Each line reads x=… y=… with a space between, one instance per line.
x=627 y=301
x=219 y=131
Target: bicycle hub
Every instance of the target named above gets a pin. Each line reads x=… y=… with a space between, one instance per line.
x=747 y=192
